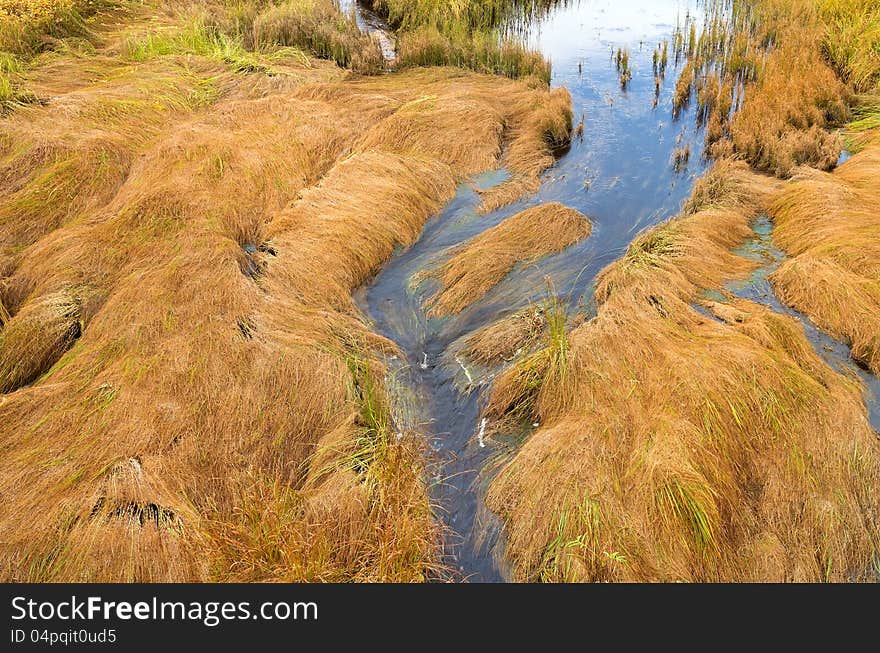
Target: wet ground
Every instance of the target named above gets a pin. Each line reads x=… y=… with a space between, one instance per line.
x=757 y=288
x=621 y=175
x=372 y=24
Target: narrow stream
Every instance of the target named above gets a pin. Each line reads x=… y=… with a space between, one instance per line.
x=757 y=288
x=620 y=174
x=371 y=24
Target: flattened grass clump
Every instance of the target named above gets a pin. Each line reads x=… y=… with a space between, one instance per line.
x=535 y=141
x=865 y=124
x=506 y=338
x=481 y=263
x=36 y=338
x=830 y=225
x=674 y=446
x=68 y=164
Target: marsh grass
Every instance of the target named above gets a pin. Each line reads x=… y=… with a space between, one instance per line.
x=480 y=35
x=28 y=26
x=480 y=51
x=481 y=15
x=623 y=68
x=866 y=121
x=179 y=244
x=830 y=226
x=692 y=448
x=196 y=39
x=764 y=75
x=852 y=41
x=680 y=157
x=481 y=263
x=320 y=28
x=507 y=338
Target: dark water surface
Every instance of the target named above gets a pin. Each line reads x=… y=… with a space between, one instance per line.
x=620 y=174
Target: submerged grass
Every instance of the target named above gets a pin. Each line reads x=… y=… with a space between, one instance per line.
x=478 y=265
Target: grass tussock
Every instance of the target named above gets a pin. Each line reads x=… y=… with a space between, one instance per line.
x=189 y=392
x=318 y=26
x=479 y=35
x=479 y=51
x=37 y=338
x=830 y=226
x=535 y=140
x=507 y=338
x=765 y=77
x=28 y=26
x=677 y=446
x=484 y=261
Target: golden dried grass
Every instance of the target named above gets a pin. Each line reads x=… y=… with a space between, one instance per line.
x=220 y=414
x=478 y=265
x=830 y=225
x=676 y=446
x=535 y=138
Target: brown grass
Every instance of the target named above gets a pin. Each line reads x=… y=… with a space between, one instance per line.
x=540 y=134
x=507 y=338
x=675 y=446
x=830 y=225
x=199 y=398
x=478 y=265
x=775 y=52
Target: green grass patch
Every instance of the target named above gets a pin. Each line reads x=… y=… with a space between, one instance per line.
x=194 y=39
x=866 y=119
